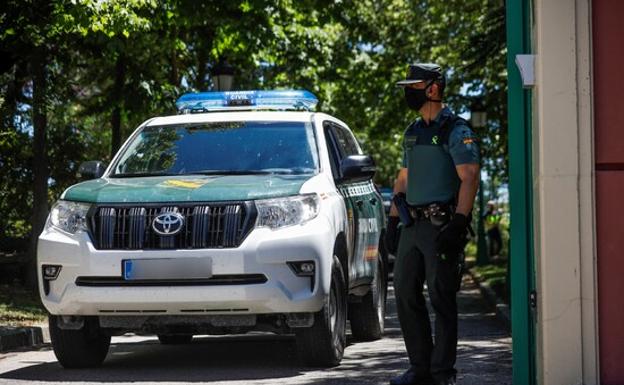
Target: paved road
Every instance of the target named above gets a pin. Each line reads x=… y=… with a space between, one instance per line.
x=484 y=358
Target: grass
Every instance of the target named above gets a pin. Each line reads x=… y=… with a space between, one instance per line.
x=20 y=306
x=495 y=275
x=492 y=274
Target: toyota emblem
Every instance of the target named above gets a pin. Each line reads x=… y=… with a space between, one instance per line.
x=168 y=223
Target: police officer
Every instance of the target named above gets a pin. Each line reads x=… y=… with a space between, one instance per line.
x=439 y=177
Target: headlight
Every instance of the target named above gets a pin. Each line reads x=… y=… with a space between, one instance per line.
x=288 y=211
x=69 y=216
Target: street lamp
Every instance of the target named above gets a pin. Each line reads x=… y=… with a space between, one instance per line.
x=478 y=119
x=223 y=76
x=478 y=115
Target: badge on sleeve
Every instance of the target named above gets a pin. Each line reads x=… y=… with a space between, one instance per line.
x=469 y=140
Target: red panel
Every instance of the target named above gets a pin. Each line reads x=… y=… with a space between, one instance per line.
x=610 y=240
x=608 y=80
x=608 y=77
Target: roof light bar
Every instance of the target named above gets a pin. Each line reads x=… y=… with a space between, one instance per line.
x=246 y=100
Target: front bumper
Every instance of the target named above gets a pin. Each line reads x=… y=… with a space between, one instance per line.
x=91 y=283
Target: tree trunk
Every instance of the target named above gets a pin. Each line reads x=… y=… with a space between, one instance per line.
x=40 y=167
x=174 y=76
x=118 y=102
x=9 y=105
x=202 y=70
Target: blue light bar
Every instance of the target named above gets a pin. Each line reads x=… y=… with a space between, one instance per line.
x=246 y=100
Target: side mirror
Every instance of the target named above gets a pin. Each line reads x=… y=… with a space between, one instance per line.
x=357 y=168
x=92 y=169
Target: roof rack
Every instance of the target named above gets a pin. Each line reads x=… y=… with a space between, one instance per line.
x=281 y=100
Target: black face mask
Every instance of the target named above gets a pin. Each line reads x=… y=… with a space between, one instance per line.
x=415 y=98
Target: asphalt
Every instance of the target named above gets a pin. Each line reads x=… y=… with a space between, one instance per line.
x=484 y=357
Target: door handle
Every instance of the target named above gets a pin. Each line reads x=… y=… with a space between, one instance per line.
x=359 y=203
x=373 y=201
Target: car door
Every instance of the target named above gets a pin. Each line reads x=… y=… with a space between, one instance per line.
x=360 y=201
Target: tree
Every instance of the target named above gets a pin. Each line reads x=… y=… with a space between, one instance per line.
x=78 y=76
x=38 y=36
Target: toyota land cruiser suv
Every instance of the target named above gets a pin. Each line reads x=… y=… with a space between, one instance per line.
x=246 y=211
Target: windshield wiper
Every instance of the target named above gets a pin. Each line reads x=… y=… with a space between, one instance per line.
x=290 y=171
x=139 y=174
x=264 y=171
x=229 y=172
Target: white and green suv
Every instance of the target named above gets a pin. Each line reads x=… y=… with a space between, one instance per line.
x=245 y=212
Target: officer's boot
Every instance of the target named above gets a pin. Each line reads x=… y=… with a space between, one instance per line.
x=410 y=377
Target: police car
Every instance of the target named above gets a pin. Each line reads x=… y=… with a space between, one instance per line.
x=247 y=211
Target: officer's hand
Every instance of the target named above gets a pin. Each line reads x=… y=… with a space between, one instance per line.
x=451 y=238
x=392 y=235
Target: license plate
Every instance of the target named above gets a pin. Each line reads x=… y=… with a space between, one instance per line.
x=167 y=268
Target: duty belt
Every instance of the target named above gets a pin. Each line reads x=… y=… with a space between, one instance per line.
x=431 y=210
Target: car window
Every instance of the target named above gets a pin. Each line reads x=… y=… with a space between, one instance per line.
x=346 y=140
x=253 y=146
x=333 y=149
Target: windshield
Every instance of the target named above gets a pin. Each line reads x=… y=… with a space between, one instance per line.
x=221 y=148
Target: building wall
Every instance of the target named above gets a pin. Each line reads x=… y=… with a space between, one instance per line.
x=564 y=194
x=608 y=62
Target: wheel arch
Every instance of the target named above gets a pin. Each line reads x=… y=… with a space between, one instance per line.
x=341 y=251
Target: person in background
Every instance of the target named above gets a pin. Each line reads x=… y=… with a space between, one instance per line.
x=492 y=220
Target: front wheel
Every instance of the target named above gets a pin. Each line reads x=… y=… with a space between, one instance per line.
x=368 y=316
x=80 y=348
x=323 y=344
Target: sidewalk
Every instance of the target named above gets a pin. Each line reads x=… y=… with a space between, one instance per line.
x=484 y=349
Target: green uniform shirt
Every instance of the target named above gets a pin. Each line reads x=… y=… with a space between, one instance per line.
x=431 y=173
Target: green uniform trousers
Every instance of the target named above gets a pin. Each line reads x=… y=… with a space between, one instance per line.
x=417 y=262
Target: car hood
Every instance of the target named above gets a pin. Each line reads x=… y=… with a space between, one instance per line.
x=185 y=188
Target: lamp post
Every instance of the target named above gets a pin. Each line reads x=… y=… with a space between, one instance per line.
x=478 y=119
x=222 y=76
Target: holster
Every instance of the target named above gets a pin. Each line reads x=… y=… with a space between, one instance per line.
x=400 y=202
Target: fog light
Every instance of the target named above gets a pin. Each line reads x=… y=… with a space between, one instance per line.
x=303 y=268
x=51 y=272
x=307 y=268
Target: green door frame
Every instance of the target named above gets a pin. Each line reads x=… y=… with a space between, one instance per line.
x=518 y=14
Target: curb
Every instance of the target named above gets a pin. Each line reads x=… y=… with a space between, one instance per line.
x=502 y=309
x=12 y=338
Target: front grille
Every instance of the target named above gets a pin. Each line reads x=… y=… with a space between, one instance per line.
x=129 y=227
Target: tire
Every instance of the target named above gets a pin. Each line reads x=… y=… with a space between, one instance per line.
x=368 y=317
x=175 y=339
x=82 y=348
x=323 y=344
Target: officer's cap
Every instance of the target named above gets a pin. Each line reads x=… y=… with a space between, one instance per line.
x=420 y=72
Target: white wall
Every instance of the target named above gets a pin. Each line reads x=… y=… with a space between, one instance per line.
x=563 y=189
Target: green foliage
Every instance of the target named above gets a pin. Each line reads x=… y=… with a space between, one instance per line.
x=495 y=275
x=19 y=307
x=112 y=64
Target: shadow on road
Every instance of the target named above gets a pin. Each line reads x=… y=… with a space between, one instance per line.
x=484 y=357
x=205 y=359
